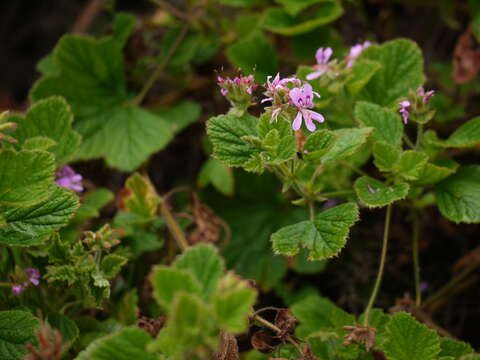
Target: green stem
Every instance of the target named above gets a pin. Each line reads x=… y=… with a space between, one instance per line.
x=158 y=71
x=381 y=267
x=353 y=168
x=173 y=227
x=5 y=284
x=416 y=262
x=337 y=193
x=418 y=141
x=408 y=141
x=311 y=209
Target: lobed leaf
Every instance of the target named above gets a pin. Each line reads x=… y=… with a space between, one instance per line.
x=387 y=124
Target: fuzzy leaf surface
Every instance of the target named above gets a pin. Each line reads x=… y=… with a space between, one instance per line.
x=387 y=124
x=375 y=193
x=17 y=329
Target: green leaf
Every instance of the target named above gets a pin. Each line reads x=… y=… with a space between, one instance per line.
x=111 y=265
x=401 y=71
x=411 y=164
x=39 y=143
x=126 y=344
x=277 y=139
x=407 y=339
x=191 y=326
x=141 y=134
x=167 y=282
x=385 y=156
x=362 y=72
x=348 y=142
x=185 y=50
x=454 y=348
x=226 y=133
x=466 y=135
x=313 y=313
x=293 y=7
x=50 y=118
x=67 y=327
x=34 y=224
x=91 y=78
x=387 y=124
x=279 y=21
x=219 y=175
x=375 y=193
x=205 y=264
x=17 y=329
x=324 y=237
x=26 y=177
x=126 y=310
x=254 y=54
x=318 y=144
x=142 y=198
x=432 y=174
x=180 y=115
x=458 y=196
x=232 y=303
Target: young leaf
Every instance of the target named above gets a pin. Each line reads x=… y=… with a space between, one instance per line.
x=348 y=142
x=411 y=164
x=279 y=21
x=167 y=282
x=226 y=133
x=50 y=118
x=111 y=265
x=26 y=177
x=324 y=237
x=205 y=264
x=313 y=313
x=254 y=54
x=466 y=135
x=432 y=174
x=375 y=193
x=17 y=329
x=233 y=302
x=191 y=325
x=402 y=70
x=219 y=175
x=34 y=224
x=458 y=196
x=126 y=344
x=277 y=139
x=141 y=197
x=387 y=124
x=385 y=156
x=39 y=143
x=407 y=339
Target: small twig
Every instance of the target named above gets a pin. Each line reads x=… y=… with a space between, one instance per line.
x=158 y=71
x=173 y=226
x=172 y=9
x=86 y=17
x=353 y=168
x=276 y=329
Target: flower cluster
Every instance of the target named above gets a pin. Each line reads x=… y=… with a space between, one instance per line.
x=239 y=91
x=416 y=104
x=33 y=276
x=68 y=178
x=322 y=56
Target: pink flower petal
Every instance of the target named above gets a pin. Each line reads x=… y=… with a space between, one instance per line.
x=297 y=123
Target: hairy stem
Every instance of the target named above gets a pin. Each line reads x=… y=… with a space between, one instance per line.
x=173 y=227
x=338 y=193
x=311 y=209
x=353 y=168
x=416 y=262
x=381 y=267
x=158 y=71
x=418 y=141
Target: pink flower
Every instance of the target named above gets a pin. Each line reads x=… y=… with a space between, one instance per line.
x=33 y=275
x=17 y=289
x=355 y=51
x=68 y=178
x=425 y=95
x=237 y=85
x=404 y=110
x=279 y=84
x=322 y=56
x=302 y=98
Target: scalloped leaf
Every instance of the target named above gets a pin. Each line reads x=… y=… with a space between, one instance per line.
x=411 y=164
x=324 y=237
x=407 y=339
x=375 y=193
x=385 y=156
x=387 y=124
x=34 y=224
x=50 y=118
x=401 y=71
x=17 y=329
x=348 y=142
x=458 y=196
